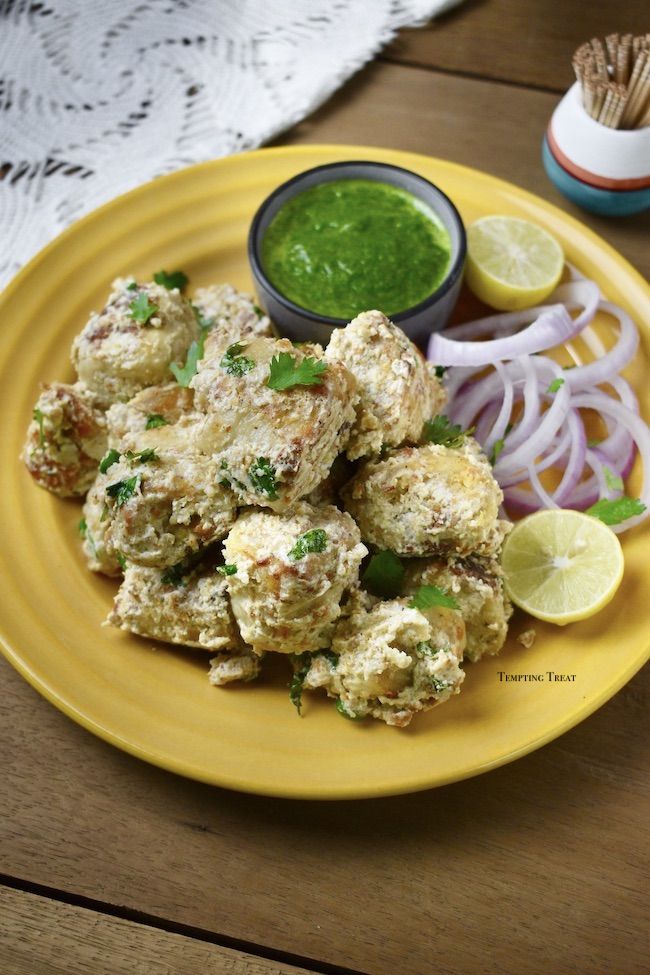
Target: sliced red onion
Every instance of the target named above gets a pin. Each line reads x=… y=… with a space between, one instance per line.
x=549 y=431
x=553 y=327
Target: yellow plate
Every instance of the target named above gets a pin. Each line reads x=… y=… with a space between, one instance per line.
x=154 y=701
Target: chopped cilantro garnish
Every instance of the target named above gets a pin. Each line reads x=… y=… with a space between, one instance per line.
x=343 y=709
x=108 y=460
x=82 y=527
x=183 y=374
x=496 y=450
x=314 y=540
x=425 y=649
x=234 y=362
x=144 y=456
x=555 y=385
x=614 y=512
x=38 y=416
x=441 y=431
x=132 y=286
x=439 y=685
x=331 y=657
x=426 y=597
x=203 y=321
x=141 y=309
x=121 y=491
x=155 y=420
x=440 y=371
x=175 y=279
x=258 y=311
x=298 y=679
x=173 y=576
x=227 y=569
x=384 y=574
x=121 y=561
x=262 y=477
x=285 y=371
x=614 y=481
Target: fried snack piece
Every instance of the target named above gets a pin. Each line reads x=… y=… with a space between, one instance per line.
x=188 y=608
x=65 y=439
x=163 y=502
x=291 y=572
x=234 y=665
x=390 y=661
x=152 y=407
x=427 y=501
x=477 y=586
x=398 y=388
x=273 y=445
x=232 y=317
x=92 y=529
x=132 y=341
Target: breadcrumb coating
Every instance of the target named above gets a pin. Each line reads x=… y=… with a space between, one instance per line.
x=398 y=388
x=65 y=439
x=428 y=500
x=117 y=353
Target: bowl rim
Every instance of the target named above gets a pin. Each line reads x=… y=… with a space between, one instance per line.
x=255 y=238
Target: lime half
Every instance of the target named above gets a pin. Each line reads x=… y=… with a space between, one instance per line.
x=562 y=566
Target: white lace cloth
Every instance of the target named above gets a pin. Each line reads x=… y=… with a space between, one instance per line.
x=97 y=96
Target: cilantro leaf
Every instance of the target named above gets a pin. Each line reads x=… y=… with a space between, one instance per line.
x=342 y=708
x=227 y=569
x=82 y=527
x=155 y=420
x=285 y=371
x=144 y=456
x=440 y=371
x=38 y=416
x=425 y=649
x=132 y=286
x=314 y=540
x=203 y=321
x=384 y=574
x=183 y=374
x=439 y=685
x=298 y=679
x=496 y=450
x=262 y=477
x=108 y=460
x=175 y=279
x=141 y=309
x=440 y=430
x=331 y=657
x=234 y=362
x=614 y=512
x=555 y=385
x=121 y=561
x=121 y=491
x=613 y=481
x=426 y=597
x=258 y=311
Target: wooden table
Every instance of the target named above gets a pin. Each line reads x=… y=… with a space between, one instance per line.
x=112 y=866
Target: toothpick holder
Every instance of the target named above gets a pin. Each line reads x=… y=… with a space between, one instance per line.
x=603 y=170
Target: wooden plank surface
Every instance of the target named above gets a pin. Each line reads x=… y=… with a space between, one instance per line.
x=39 y=936
x=544 y=854
x=524 y=41
x=490 y=126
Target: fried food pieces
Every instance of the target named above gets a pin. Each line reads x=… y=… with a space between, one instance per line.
x=237 y=482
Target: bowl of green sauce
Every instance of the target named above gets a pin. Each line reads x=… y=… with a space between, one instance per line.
x=354 y=236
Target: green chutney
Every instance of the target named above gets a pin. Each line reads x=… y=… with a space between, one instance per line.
x=344 y=247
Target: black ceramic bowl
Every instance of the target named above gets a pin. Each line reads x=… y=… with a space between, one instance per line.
x=418 y=322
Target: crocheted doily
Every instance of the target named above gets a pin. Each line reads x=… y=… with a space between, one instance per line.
x=97 y=96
